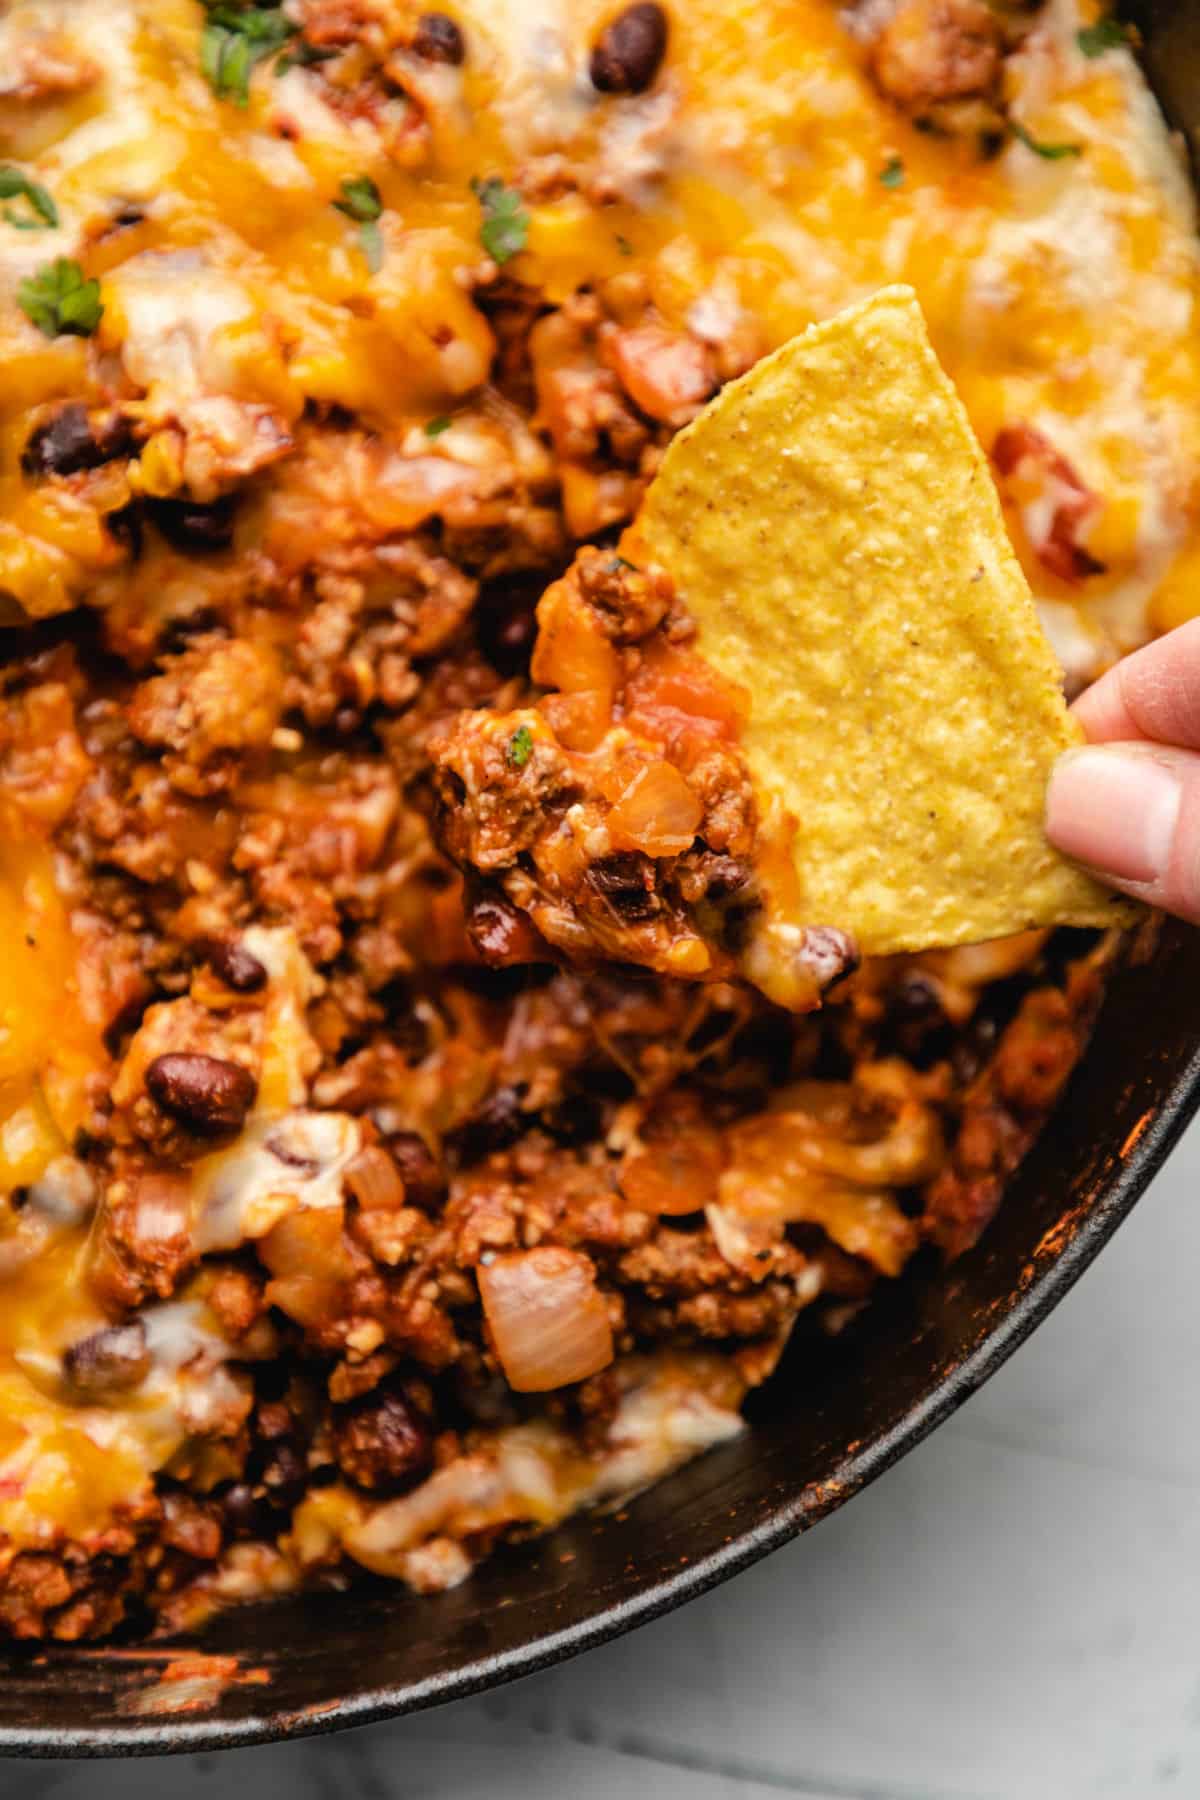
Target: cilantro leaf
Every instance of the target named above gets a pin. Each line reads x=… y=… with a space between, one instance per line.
x=505 y=222
x=892 y=173
x=15 y=186
x=435 y=427
x=59 y=299
x=362 y=202
x=360 y=199
x=520 y=746
x=1106 y=34
x=234 y=40
x=1051 y=152
x=371 y=239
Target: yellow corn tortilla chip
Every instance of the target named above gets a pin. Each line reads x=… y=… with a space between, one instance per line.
x=831 y=524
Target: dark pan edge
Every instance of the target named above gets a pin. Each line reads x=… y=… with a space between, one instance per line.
x=176 y=1736
x=1171 y=57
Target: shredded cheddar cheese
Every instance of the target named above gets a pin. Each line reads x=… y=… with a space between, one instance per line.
x=315 y=252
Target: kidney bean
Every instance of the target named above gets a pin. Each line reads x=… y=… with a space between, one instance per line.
x=205 y=1092
x=233 y=964
x=109 y=1361
x=439 y=39
x=501 y=933
x=627 y=55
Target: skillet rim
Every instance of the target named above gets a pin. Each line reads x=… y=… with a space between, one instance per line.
x=1167 y=59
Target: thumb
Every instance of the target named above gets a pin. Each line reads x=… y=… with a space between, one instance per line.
x=1131 y=812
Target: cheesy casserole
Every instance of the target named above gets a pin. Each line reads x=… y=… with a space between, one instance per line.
x=342 y=1226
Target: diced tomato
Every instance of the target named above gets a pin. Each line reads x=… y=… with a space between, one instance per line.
x=1054 y=502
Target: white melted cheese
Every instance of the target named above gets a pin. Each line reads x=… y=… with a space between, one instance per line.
x=278 y=1165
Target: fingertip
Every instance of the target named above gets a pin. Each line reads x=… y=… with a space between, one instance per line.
x=1115 y=808
x=1153 y=693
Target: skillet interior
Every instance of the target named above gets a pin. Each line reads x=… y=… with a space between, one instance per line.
x=834 y=1417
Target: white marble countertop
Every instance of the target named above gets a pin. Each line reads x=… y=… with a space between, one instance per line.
x=1012 y=1613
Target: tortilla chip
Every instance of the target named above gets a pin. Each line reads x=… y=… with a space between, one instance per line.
x=831 y=525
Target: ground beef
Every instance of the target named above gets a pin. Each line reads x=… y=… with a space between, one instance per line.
x=388 y=898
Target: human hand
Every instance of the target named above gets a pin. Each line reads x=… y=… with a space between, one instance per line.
x=1128 y=803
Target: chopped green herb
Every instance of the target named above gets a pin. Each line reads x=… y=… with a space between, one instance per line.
x=520 y=746
x=435 y=427
x=234 y=40
x=362 y=202
x=360 y=199
x=1106 y=34
x=15 y=186
x=59 y=299
x=1051 y=152
x=505 y=221
x=371 y=239
x=622 y=562
x=301 y=56
x=624 y=245
x=892 y=173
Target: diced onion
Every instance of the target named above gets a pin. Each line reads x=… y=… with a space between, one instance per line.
x=374 y=1180
x=549 y=1324
x=309 y=1266
x=658 y=813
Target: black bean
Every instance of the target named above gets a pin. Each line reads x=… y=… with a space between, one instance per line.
x=577 y=1119
x=725 y=875
x=439 y=39
x=408 y=1027
x=188 y=526
x=109 y=1361
x=915 y=1000
x=125 y=525
x=205 y=1092
x=284 y=1473
x=381 y=1441
x=626 y=880
x=243 y=1510
x=125 y=1022
x=737 y=923
x=233 y=964
x=67 y=443
x=506 y=622
x=495 y=1125
x=628 y=53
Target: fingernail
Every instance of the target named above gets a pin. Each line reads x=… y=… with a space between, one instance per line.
x=1114 y=808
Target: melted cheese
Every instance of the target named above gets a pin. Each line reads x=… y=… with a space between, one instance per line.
x=48 y=1050
x=1060 y=293
x=744 y=188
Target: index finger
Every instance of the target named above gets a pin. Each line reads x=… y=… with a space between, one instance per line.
x=1155 y=694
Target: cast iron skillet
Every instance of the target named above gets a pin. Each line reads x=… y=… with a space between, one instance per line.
x=833 y=1418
